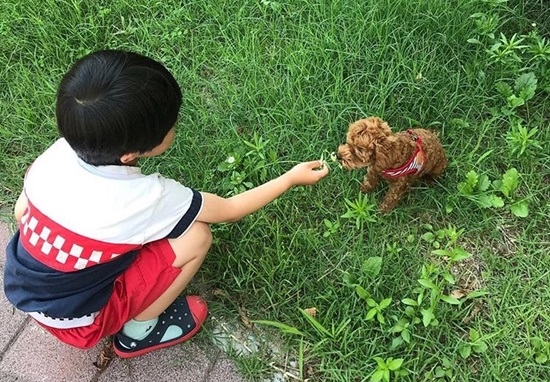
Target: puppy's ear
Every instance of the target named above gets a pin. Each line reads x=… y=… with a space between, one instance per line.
x=383 y=140
x=382 y=126
x=383 y=149
x=364 y=148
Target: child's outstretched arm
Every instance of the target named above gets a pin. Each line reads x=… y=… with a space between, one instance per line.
x=220 y=210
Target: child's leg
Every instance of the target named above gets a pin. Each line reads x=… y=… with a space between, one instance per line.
x=177 y=260
x=190 y=251
x=170 y=319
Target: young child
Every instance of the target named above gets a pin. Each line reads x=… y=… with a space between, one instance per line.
x=103 y=249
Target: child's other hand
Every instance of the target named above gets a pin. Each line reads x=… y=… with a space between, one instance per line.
x=307 y=173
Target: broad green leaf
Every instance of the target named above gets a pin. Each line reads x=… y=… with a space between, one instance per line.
x=380 y=362
x=447 y=362
x=450 y=300
x=409 y=301
x=350 y=279
x=427 y=316
x=428 y=284
x=428 y=236
x=396 y=342
x=371 y=313
x=460 y=254
x=395 y=364
x=485 y=201
x=396 y=328
x=504 y=89
x=496 y=201
x=520 y=209
x=361 y=292
x=515 y=102
x=377 y=376
x=526 y=85
x=371 y=302
x=372 y=266
x=442 y=252
x=349 y=214
x=474 y=335
x=537 y=342
x=464 y=188
x=483 y=183
x=385 y=303
x=406 y=334
x=472 y=178
x=465 y=351
x=510 y=182
x=541 y=358
x=449 y=278
x=479 y=347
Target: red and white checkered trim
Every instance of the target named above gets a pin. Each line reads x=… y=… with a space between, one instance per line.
x=61 y=249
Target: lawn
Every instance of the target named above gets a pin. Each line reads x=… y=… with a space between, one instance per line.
x=453 y=285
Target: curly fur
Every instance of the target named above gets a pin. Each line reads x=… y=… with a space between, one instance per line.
x=370 y=143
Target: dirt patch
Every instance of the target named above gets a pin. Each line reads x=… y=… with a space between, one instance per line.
x=506 y=246
x=469 y=273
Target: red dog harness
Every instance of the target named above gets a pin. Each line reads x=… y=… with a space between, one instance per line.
x=413 y=165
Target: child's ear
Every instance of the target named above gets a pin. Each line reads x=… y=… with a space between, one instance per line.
x=129 y=158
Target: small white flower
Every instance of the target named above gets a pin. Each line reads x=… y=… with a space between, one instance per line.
x=230 y=160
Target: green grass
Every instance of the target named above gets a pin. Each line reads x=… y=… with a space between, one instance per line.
x=294 y=74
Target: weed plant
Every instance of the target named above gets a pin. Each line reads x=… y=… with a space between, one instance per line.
x=453 y=285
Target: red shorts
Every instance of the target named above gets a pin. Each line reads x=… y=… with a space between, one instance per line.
x=134 y=290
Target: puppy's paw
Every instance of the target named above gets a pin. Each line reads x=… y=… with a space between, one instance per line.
x=385 y=208
x=367 y=187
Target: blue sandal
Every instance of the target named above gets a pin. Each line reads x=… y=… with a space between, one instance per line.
x=186 y=313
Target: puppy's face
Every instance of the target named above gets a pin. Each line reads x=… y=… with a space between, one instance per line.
x=359 y=150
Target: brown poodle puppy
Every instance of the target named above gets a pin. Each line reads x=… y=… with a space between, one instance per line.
x=400 y=158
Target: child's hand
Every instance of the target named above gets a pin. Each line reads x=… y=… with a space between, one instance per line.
x=307 y=173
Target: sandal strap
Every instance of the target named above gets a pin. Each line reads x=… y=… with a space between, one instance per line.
x=177 y=314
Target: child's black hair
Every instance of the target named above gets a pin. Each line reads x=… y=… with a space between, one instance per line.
x=113 y=102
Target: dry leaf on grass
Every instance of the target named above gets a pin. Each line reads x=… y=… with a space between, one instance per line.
x=243 y=314
x=105 y=356
x=311 y=311
x=459 y=293
x=220 y=293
